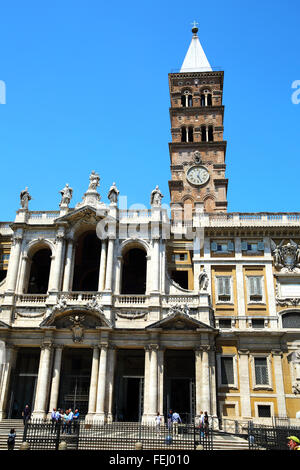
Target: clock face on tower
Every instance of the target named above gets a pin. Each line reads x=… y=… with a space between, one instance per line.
x=197 y=175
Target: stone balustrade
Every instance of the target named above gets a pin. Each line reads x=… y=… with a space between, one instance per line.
x=131 y=300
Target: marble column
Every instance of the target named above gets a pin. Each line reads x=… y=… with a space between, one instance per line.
x=161 y=360
x=156 y=265
x=56 y=269
x=102 y=268
x=112 y=354
x=153 y=381
x=14 y=262
x=100 y=403
x=279 y=382
x=109 y=265
x=205 y=381
x=68 y=266
x=198 y=384
x=11 y=356
x=244 y=383
x=93 y=383
x=146 y=383
x=43 y=381
x=213 y=380
x=118 y=275
x=21 y=281
x=55 y=378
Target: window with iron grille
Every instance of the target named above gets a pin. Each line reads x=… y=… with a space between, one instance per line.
x=227 y=372
x=261 y=371
x=291 y=320
x=258 y=323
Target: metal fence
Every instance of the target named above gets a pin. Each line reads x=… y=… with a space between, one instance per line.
x=263 y=437
x=43 y=435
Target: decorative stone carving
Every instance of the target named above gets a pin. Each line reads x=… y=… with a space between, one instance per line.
x=296 y=388
x=286 y=257
x=197 y=157
x=113 y=194
x=61 y=304
x=131 y=315
x=77 y=328
x=93 y=304
x=156 y=197
x=182 y=309
x=203 y=280
x=66 y=196
x=284 y=302
x=25 y=198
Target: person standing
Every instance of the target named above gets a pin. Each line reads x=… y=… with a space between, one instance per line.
x=201 y=423
x=75 y=420
x=158 y=422
x=11 y=439
x=205 y=423
x=70 y=421
x=26 y=414
x=175 y=422
x=53 y=419
x=170 y=420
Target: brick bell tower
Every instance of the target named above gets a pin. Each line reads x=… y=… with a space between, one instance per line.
x=197 y=150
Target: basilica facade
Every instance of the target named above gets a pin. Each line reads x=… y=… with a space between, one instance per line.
x=126 y=313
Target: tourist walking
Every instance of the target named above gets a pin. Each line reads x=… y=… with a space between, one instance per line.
x=201 y=423
x=175 y=422
x=170 y=420
x=26 y=414
x=206 y=423
x=53 y=420
x=11 y=439
x=158 y=422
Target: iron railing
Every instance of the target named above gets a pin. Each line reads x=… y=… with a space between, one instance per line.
x=45 y=435
x=273 y=437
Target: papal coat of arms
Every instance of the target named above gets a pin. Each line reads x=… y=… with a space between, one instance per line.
x=286 y=257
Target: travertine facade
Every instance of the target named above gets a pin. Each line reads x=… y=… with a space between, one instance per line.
x=126 y=313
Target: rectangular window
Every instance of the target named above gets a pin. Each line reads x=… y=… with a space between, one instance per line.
x=255 y=288
x=258 y=323
x=264 y=411
x=253 y=246
x=224 y=288
x=222 y=246
x=261 y=371
x=227 y=373
x=225 y=323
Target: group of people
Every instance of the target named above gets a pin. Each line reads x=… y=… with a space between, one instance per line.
x=173 y=422
x=203 y=423
x=67 y=418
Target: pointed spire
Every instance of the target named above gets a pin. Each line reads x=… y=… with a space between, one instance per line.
x=195 y=59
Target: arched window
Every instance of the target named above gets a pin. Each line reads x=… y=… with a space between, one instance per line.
x=210 y=133
x=206 y=98
x=183 y=134
x=39 y=272
x=207 y=133
x=190 y=134
x=134 y=272
x=87 y=262
x=186 y=99
x=291 y=320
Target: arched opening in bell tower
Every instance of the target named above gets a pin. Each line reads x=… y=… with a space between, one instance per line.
x=39 y=272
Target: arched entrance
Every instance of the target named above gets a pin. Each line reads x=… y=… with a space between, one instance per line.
x=87 y=262
x=39 y=272
x=134 y=272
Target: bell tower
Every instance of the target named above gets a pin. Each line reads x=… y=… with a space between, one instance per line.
x=197 y=150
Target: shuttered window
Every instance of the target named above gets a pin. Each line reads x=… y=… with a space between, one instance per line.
x=261 y=371
x=227 y=374
x=224 y=288
x=255 y=288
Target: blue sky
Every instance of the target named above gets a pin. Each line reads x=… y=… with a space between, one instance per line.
x=87 y=89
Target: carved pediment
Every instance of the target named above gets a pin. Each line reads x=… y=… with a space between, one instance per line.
x=179 y=321
x=86 y=214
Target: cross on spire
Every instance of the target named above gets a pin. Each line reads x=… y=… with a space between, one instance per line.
x=194 y=24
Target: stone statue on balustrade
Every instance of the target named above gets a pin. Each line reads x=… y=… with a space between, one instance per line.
x=94 y=181
x=66 y=196
x=113 y=194
x=156 y=197
x=25 y=198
